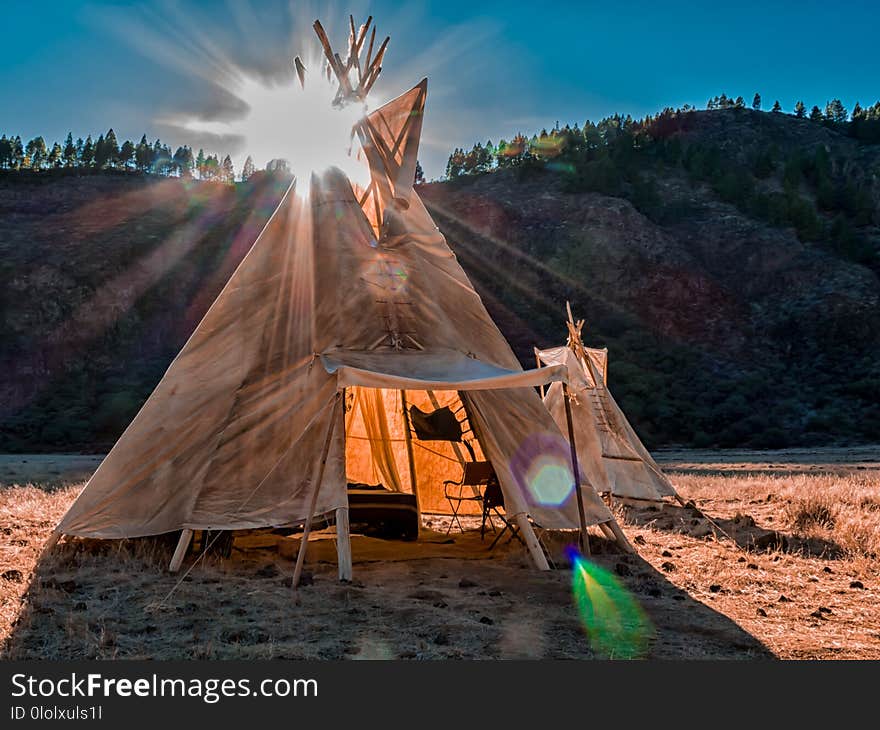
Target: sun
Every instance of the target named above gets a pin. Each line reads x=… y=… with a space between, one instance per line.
x=299 y=124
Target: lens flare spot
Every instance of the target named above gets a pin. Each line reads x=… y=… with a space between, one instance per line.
x=543 y=470
x=615 y=624
x=551 y=482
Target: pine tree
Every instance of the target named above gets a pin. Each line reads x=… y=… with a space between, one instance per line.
x=36 y=153
x=739 y=103
x=100 y=153
x=777 y=107
x=17 y=153
x=756 y=102
x=800 y=111
x=201 y=164
x=189 y=161
x=183 y=161
x=420 y=174
x=835 y=111
x=143 y=155
x=54 y=158
x=163 y=162
x=69 y=153
x=816 y=114
x=227 y=171
x=111 y=148
x=857 y=111
x=455 y=164
x=209 y=168
x=248 y=169
x=126 y=154
x=5 y=153
x=87 y=158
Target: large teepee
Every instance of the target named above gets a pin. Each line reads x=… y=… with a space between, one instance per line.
x=347 y=290
x=611 y=455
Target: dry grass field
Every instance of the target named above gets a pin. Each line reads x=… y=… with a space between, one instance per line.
x=787 y=567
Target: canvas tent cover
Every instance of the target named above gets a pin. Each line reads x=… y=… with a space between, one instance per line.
x=345 y=288
x=610 y=454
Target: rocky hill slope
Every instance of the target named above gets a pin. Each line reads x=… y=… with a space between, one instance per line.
x=726 y=326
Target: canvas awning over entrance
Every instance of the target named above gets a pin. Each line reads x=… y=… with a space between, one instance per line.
x=430 y=370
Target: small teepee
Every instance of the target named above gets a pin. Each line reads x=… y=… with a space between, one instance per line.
x=350 y=294
x=611 y=455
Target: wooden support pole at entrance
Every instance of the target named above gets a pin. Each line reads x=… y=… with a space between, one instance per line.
x=409 y=455
x=301 y=555
x=343 y=544
x=585 y=539
x=186 y=537
x=343 y=531
x=531 y=540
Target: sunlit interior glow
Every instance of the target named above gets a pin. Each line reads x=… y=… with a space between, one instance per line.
x=288 y=122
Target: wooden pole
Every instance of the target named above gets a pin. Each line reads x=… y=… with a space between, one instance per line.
x=343 y=532
x=368 y=59
x=328 y=50
x=540 y=387
x=585 y=540
x=300 y=71
x=409 y=455
x=343 y=544
x=180 y=551
x=301 y=556
x=531 y=540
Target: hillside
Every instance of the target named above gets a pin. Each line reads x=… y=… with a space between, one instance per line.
x=730 y=266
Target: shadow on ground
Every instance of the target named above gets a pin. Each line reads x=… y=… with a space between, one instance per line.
x=110 y=599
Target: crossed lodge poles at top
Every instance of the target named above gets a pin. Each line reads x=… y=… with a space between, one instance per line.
x=367 y=71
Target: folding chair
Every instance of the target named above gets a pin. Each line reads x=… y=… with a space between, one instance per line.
x=493 y=498
x=474 y=474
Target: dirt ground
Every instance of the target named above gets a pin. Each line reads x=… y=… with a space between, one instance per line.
x=772 y=560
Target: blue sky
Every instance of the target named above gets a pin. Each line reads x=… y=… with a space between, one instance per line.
x=495 y=68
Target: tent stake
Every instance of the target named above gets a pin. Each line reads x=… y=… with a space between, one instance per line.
x=585 y=539
x=409 y=455
x=180 y=551
x=301 y=555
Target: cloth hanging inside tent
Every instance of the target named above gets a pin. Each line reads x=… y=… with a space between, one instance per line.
x=438 y=425
x=372 y=406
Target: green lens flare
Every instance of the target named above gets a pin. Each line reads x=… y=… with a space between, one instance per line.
x=614 y=622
